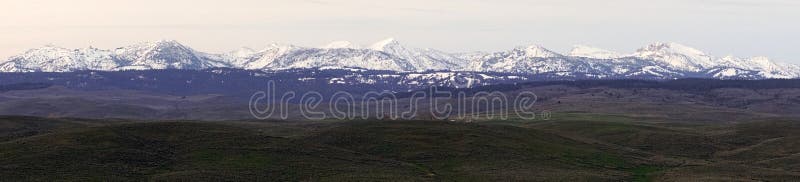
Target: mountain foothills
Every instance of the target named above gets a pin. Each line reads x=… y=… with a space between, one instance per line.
x=656 y=61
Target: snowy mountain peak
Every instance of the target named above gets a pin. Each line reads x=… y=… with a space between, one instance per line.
x=771 y=69
x=419 y=59
x=677 y=56
x=593 y=52
x=729 y=57
x=761 y=66
x=51 y=58
x=283 y=46
x=761 y=59
x=538 y=51
x=385 y=44
x=242 y=52
x=167 y=42
x=156 y=46
x=162 y=54
x=764 y=63
x=671 y=47
x=341 y=45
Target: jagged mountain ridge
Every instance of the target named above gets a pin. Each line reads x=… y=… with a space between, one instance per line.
x=165 y=54
x=658 y=60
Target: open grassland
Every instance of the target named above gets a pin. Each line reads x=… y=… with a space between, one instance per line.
x=568 y=147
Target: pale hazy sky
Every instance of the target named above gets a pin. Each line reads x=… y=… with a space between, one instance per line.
x=720 y=27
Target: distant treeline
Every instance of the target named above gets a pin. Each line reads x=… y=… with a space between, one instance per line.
x=679 y=84
x=682 y=84
x=689 y=84
x=243 y=83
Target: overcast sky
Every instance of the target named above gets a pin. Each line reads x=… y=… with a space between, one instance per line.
x=742 y=28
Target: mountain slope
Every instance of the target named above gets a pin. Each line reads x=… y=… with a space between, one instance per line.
x=420 y=59
x=338 y=58
x=51 y=58
x=163 y=54
x=676 y=56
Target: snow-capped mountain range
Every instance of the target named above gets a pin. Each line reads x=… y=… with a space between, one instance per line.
x=657 y=60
